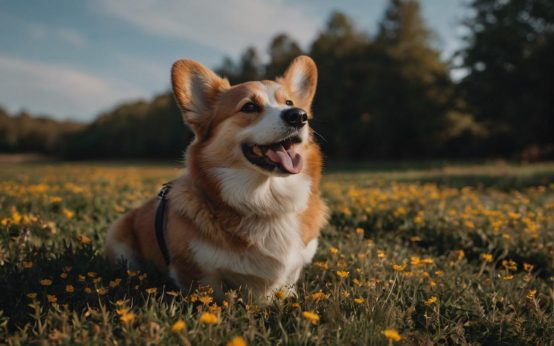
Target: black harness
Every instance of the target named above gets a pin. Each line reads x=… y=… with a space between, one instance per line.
x=159 y=222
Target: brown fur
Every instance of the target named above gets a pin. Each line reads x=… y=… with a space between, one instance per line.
x=195 y=208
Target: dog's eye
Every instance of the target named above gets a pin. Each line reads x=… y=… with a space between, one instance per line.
x=289 y=103
x=250 y=107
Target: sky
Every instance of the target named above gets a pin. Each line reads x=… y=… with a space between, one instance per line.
x=73 y=59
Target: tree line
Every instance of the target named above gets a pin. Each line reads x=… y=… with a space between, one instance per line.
x=386 y=95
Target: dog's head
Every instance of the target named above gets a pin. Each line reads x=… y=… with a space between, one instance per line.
x=258 y=125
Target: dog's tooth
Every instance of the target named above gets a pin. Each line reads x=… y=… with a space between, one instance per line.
x=256 y=150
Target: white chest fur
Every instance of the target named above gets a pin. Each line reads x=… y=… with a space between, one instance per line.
x=276 y=253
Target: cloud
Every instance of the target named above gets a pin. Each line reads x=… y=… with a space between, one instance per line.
x=227 y=26
x=67 y=35
x=59 y=91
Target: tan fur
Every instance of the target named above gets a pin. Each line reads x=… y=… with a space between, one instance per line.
x=196 y=210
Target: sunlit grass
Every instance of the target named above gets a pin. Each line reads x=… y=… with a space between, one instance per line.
x=409 y=257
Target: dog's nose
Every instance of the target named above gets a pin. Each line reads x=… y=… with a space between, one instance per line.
x=295 y=117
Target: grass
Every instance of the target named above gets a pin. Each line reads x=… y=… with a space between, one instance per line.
x=456 y=254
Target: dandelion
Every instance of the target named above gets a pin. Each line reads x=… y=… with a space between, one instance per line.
x=528 y=267
x=237 y=341
x=333 y=250
x=414 y=260
x=115 y=283
x=27 y=264
x=359 y=301
x=208 y=318
x=280 y=294
x=127 y=317
x=486 y=257
x=359 y=231
x=380 y=253
x=318 y=296
x=122 y=311
x=131 y=273
x=312 y=317
x=87 y=290
x=68 y=213
x=207 y=299
x=398 y=267
x=507 y=277
x=63 y=275
x=415 y=238
x=178 y=326
x=120 y=302
x=51 y=298
x=509 y=265
x=101 y=291
x=392 y=335
x=69 y=288
x=295 y=305
x=151 y=290
x=342 y=274
x=142 y=276
x=81 y=277
x=31 y=295
x=92 y=274
x=55 y=199
x=45 y=282
x=427 y=260
x=460 y=254
x=321 y=265
x=531 y=294
x=431 y=300
x=83 y=239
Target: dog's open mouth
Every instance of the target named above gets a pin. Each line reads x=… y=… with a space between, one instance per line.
x=281 y=155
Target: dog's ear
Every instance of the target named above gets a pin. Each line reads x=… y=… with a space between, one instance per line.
x=196 y=89
x=301 y=80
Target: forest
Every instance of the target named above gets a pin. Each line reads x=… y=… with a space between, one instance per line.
x=385 y=95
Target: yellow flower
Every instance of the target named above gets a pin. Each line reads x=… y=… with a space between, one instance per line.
x=318 y=296
x=237 y=341
x=507 y=277
x=392 y=334
x=431 y=300
x=82 y=277
x=131 y=273
x=460 y=254
x=101 y=291
x=321 y=265
x=398 y=267
x=531 y=294
x=205 y=299
x=333 y=250
x=359 y=300
x=92 y=274
x=509 y=265
x=127 y=317
x=27 y=264
x=87 y=290
x=83 y=239
x=295 y=306
x=115 y=283
x=311 y=316
x=427 y=260
x=415 y=238
x=120 y=302
x=68 y=213
x=151 y=290
x=63 y=275
x=31 y=295
x=280 y=294
x=46 y=282
x=486 y=257
x=208 y=318
x=380 y=253
x=69 y=288
x=342 y=274
x=55 y=199
x=51 y=298
x=359 y=230
x=178 y=326
x=121 y=311
x=528 y=267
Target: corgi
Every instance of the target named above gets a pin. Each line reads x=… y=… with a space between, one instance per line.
x=247 y=212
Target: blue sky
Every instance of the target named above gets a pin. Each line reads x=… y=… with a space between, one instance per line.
x=72 y=59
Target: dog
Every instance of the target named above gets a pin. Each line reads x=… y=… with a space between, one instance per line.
x=247 y=212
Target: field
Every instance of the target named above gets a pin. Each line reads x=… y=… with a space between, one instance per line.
x=457 y=255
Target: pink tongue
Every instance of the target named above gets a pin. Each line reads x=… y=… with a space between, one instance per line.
x=289 y=160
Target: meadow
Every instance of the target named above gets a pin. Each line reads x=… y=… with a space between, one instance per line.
x=459 y=254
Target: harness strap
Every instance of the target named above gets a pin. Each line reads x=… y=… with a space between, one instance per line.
x=159 y=222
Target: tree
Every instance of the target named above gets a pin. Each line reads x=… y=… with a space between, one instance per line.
x=282 y=50
x=509 y=57
x=414 y=94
